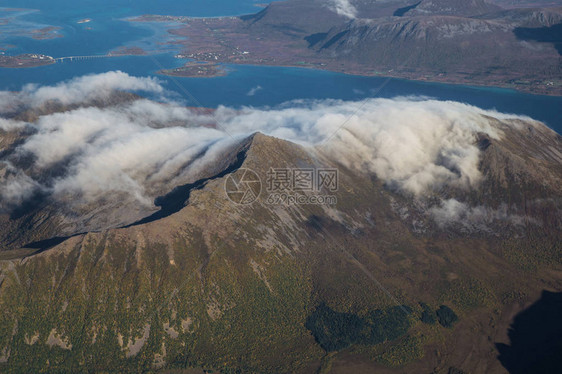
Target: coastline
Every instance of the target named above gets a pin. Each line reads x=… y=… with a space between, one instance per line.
x=196 y=69
x=457 y=82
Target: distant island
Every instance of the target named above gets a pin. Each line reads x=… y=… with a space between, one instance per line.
x=128 y=51
x=472 y=43
x=49 y=32
x=196 y=69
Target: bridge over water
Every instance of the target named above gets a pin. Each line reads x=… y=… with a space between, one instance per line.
x=78 y=58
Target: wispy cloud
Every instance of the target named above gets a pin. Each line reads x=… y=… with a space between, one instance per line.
x=254 y=90
x=451 y=212
x=343 y=8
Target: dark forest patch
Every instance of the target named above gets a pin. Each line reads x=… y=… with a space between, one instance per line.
x=335 y=331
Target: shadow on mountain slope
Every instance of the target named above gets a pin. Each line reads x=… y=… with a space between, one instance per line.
x=552 y=34
x=402 y=11
x=175 y=200
x=46 y=244
x=536 y=338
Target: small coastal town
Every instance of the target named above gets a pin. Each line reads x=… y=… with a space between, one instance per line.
x=26 y=60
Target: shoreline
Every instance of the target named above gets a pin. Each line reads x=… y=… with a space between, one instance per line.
x=472 y=84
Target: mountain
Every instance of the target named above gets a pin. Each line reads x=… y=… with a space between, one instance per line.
x=466 y=42
x=444 y=7
x=282 y=17
x=526 y=4
x=383 y=278
x=429 y=41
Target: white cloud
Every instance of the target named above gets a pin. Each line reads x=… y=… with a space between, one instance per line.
x=450 y=210
x=343 y=8
x=117 y=149
x=16 y=186
x=10 y=125
x=414 y=145
x=78 y=90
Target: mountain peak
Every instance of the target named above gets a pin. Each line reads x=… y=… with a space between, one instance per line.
x=451 y=7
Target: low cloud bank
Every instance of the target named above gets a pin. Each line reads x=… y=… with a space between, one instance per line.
x=141 y=149
x=79 y=90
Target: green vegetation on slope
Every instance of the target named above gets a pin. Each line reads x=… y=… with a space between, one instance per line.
x=109 y=307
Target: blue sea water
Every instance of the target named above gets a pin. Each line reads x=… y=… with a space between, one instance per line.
x=244 y=85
